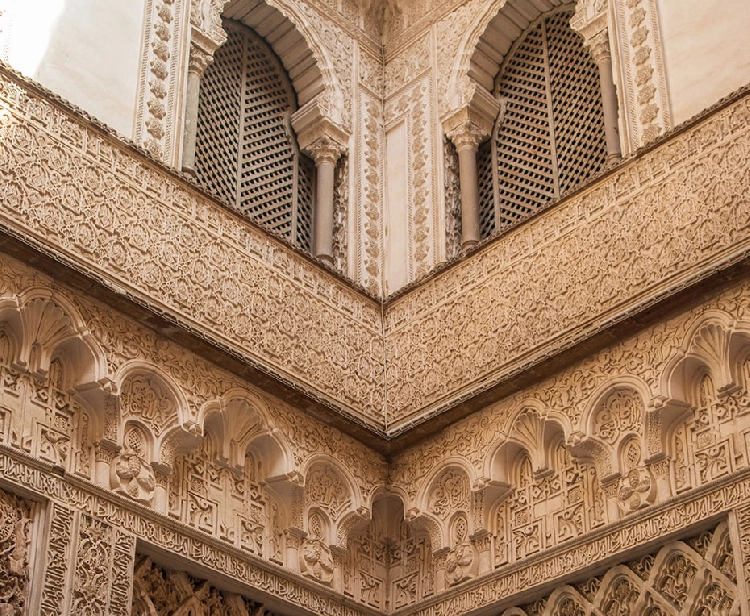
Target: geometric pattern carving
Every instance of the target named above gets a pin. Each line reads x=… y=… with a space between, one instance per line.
x=675 y=580
x=546 y=507
x=395 y=571
x=711 y=442
x=223 y=501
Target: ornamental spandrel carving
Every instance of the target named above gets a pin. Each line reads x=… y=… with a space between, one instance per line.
x=131 y=472
x=450 y=493
x=144 y=396
x=461 y=561
x=161 y=592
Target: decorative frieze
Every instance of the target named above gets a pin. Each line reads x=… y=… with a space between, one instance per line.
x=564 y=274
x=113 y=195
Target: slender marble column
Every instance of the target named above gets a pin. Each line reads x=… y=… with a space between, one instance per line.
x=600 y=51
x=325 y=153
x=467 y=137
x=199 y=60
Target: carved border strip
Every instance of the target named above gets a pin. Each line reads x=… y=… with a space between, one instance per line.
x=601 y=546
x=178 y=539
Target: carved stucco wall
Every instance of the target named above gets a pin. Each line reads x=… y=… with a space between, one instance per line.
x=545 y=285
x=375 y=56
x=649 y=227
x=645 y=439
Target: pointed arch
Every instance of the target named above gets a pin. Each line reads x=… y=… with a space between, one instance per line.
x=489 y=37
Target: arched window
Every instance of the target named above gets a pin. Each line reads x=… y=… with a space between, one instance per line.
x=246 y=153
x=549 y=136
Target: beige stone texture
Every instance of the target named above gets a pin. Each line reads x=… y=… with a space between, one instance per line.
x=199 y=418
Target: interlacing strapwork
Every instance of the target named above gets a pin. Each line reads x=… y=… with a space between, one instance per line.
x=246 y=152
x=695 y=576
x=549 y=137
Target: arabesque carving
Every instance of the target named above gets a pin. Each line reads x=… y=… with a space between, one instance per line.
x=119 y=438
x=659 y=583
x=15 y=544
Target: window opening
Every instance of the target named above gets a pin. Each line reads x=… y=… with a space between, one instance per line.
x=246 y=152
x=549 y=137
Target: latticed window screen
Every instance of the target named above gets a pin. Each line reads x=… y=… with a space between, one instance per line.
x=246 y=152
x=550 y=136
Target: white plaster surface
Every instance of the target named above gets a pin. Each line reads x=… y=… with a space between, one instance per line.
x=706 y=51
x=396 y=165
x=87 y=51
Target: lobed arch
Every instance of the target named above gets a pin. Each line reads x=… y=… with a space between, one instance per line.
x=238 y=424
x=288 y=33
x=529 y=427
x=421 y=501
x=172 y=435
x=324 y=477
x=49 y=325
x=437 y=505
x=604 y=448
x=705 y=348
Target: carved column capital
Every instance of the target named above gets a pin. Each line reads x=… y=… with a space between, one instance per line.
x=468 y=126
x=317 y=134
x=325 y=150
x=599 y=47
x=590 y=21
x=466 y=135
x=202 y=49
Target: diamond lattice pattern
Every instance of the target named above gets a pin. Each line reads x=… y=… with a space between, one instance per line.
x=550 y=137
x=246 y=153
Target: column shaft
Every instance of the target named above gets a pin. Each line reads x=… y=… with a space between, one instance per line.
x=191 y=121
x=609 y=101
x=323 y=238
x=467 y=169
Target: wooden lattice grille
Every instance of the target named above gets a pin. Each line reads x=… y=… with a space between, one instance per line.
x=550 y=135
x=246 y=153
